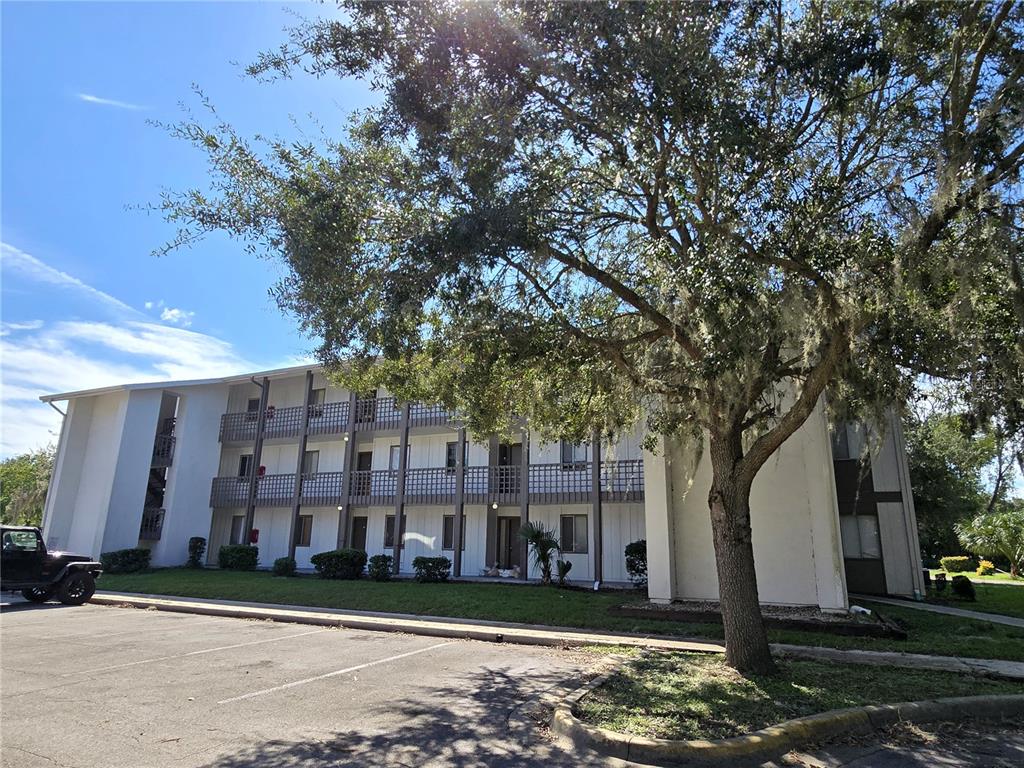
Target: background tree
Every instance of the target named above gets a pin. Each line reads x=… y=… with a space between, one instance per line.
x=591 y=214
x=24 y=481
x=998 y=533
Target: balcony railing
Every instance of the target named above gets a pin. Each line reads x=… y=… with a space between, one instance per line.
x=378 y=413
x=424 y=415
x=152 y=524
x=549 y=484
x=163 y=451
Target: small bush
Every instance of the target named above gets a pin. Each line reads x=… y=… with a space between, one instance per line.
x=963 y=588
x=284 y=566
x=636 y=563
x=238 y=557
x=985 y=568
x=956 y=564
x=562 y=568
x=196 y=550
x=339 y=563
x=431 y=569
x=125 y=560
x=379 y=567
x=940 y=582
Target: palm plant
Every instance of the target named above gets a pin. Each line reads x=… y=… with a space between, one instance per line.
x=543 y=545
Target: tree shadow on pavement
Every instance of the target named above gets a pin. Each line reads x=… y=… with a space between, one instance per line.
x=464 y=726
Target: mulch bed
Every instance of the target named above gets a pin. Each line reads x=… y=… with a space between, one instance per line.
x=775 y=617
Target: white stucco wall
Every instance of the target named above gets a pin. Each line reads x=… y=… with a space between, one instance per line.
x=794 y=519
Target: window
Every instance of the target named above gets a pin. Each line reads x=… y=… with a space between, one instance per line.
x=393 y=457
x=574 y=534
x=303 y=530
x=574 y=455
x=237 y=529
x=310 y=462
x=451 y=452
x=21 y=541
x=252 y=409
x=389 y=531
x=860 y=537
x=245 y=465
x=448 y=532
x=840 y=442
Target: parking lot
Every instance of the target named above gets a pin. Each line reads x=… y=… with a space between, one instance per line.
x=96 y=686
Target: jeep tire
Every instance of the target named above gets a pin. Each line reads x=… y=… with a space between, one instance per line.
x=37 y=594
x=76 y=588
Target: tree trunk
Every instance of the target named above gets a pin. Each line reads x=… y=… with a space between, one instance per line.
x=746 y=642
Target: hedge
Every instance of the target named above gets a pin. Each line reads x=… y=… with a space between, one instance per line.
x=238 y=557
x=957 y=564
x=125 y=560
x=636 y=562
x=339 y=563
x=379 y=567
x=284 y=566
x=431 y=569
x=196 y=548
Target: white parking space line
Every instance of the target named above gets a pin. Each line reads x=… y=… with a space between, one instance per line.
x=335 y=673
x=192 y=653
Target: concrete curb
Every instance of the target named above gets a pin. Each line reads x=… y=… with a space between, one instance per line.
x=460 y=630
x=774 y=740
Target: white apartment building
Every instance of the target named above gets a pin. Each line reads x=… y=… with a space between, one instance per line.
x=290 y=462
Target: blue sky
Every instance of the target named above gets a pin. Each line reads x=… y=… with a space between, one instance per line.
x=84 y=303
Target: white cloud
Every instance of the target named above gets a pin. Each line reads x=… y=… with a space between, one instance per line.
x=68 y=355
x=89 y=98
x=15 y=260
x=177 y=316
x=148 y=305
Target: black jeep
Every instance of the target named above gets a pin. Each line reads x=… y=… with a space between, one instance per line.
x=26 y=566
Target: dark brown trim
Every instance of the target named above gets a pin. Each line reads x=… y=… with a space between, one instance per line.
x=257 y=457
x=595 y=496
x=460 y=501
x=524 y=501
x=307 y=400
x=403 y=461
x=347 y=465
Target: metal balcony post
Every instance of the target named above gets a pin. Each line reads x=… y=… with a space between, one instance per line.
x=297 y=488
x=460 y=494
x=257 y=457
x=595 y=500
x=524 y=501
x=347 y=466
x=403 y=450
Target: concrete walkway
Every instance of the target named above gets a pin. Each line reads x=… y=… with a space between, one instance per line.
x=529 y=634
x=995 y=618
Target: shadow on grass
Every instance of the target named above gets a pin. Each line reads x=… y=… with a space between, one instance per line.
x=476 y=723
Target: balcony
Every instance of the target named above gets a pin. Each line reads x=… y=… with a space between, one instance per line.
x=549 y=484
x=371 y=414
x=163 y=451
x=152 y=524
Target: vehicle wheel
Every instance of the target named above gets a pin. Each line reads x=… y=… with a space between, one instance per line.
x=37 y=594
x=76 y=588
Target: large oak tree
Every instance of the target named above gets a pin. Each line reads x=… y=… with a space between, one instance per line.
x=695 y=215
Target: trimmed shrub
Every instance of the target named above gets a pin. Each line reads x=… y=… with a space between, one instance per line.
x=379 y=567
x=986 y=567
x=125 y=560
x=196 y=550
x=339 y=563
x=963 y=588
x=431 y=569
x=284 y=566
x=238 y=557
x=636 y=563
x=562 y=568
x=956 y=564
x=940 y=582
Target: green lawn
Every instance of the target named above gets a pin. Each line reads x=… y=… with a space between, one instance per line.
x=997 y=577
x=691 y=696
x=1007 y=599
x=533 y=604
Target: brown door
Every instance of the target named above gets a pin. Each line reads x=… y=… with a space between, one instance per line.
x=359 y=532
x=508 y=542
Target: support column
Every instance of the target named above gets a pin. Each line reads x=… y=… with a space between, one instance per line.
x=491 y=526
x=307 y=399
x=403 y=451
x=460 y=503
x=660 y=523
x=595 y=500
x=524 y=501
x=347 y=467
x=257 y=457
